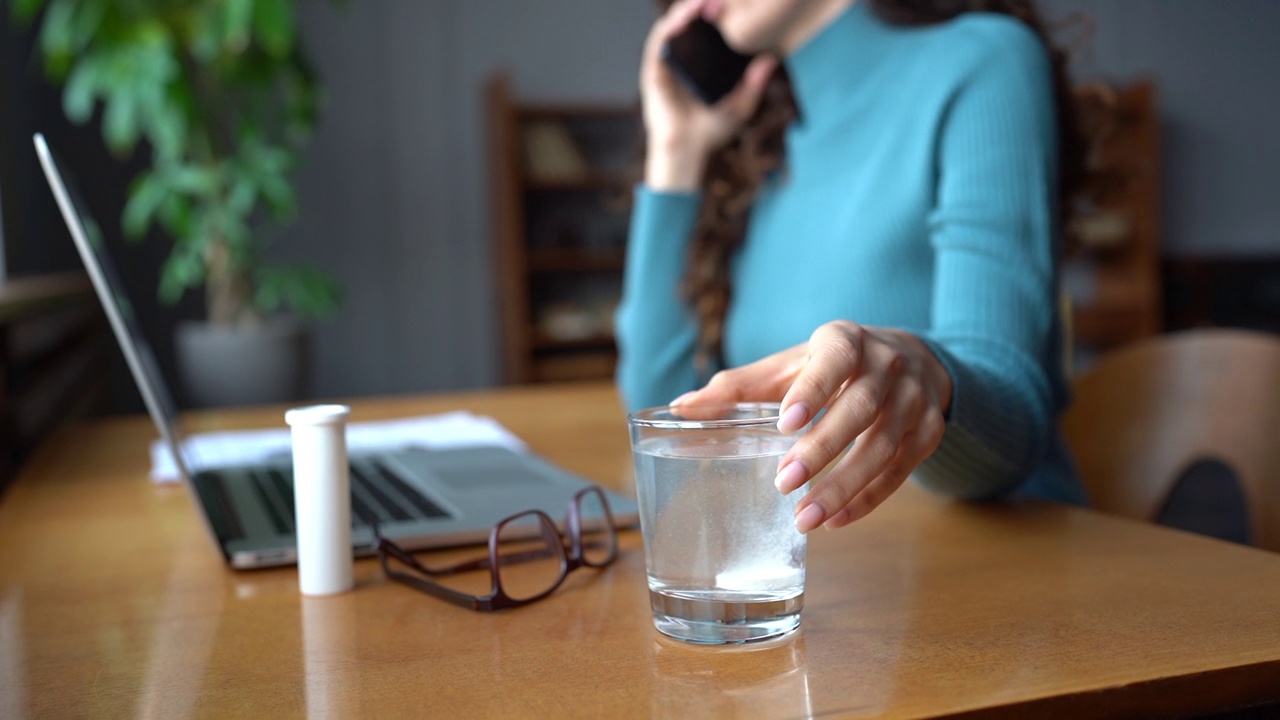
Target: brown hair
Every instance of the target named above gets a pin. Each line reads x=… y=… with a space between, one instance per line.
x=737 y=170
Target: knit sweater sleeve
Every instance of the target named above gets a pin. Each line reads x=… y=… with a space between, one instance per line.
x=992 y=230
x=655 y=328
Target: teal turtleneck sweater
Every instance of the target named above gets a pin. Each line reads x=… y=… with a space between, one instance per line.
x=919 y=193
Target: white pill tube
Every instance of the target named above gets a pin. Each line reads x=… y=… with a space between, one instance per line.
x=322 y=498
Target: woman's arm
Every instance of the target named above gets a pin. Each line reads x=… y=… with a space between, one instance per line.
x=967 y=405
x=995 y=290
x=656 y=331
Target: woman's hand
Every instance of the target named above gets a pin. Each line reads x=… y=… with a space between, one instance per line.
x=880 y=386
x=681 y=130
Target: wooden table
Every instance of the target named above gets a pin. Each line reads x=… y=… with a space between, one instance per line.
x=113 y=604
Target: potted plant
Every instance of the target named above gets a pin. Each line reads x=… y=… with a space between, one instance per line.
x=221 y=95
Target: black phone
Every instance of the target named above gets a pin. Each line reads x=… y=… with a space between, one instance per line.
x=704 y=62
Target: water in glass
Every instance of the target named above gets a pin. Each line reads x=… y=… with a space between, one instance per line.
x=725 y=562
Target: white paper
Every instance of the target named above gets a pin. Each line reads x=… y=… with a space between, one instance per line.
x=233 y=447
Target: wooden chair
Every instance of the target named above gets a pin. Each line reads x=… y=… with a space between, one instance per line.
x=1145 y=413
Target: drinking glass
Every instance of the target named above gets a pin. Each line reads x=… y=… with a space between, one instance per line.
x=725 y=562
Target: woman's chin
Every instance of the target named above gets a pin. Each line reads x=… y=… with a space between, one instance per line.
x=747 y=43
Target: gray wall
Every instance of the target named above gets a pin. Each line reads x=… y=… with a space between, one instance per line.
x=1218 y=72
x=394 y=194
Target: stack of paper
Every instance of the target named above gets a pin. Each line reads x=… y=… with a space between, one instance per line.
x=233 y=447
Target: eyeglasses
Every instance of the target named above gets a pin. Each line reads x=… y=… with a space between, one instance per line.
x=528 y=557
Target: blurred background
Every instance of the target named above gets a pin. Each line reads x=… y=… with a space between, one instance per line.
x=466 y=185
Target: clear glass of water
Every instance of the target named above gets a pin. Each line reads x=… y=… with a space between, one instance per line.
x=725 y=562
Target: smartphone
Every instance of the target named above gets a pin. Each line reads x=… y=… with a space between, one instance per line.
x=704 y=62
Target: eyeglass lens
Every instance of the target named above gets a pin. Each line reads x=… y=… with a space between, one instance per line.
x=531 y=556
x=598 y=537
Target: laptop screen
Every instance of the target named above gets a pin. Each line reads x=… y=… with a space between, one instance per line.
x=106 y=281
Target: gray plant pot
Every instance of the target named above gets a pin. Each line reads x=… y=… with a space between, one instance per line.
x=243 y=365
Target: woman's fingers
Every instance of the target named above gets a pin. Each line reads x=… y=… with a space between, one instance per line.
x=881 y=459
x=884 y=396
x=835 y=355
x=742 y=101
x=876 y=492
x=849 y=373
x=673 y=21
x=762 y=381
x=873 y=451
x=681 y=131
x=888 y=409
x=916 y=447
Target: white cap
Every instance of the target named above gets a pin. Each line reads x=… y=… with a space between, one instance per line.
x=317 y=415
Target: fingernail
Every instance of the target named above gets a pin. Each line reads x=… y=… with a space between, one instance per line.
x=791 y=477
x=810 y=517
x=683 y=397
x=793 y=419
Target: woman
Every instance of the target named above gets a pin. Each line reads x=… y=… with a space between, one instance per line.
x=867 y=234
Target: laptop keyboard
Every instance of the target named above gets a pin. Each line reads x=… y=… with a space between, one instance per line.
x=376 y=491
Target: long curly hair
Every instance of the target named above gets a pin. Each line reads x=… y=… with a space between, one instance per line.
x=736 y=171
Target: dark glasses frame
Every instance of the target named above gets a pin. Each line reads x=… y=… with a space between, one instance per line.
x=571 y=558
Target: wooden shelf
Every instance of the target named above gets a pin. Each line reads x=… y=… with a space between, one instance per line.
x=550 y=227
x=555 y=260
x=593 y=182
x=543 y=343
x=597 y=365
x=1126 y=299
x=555 y=111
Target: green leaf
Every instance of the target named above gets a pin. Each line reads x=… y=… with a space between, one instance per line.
x=86 y=24
x=176 y=216
x=204 y=33
x=233 y=228
x=120 y=123
x=58 y=65
x=273 y=23
x=244 y=193
x=193 y=179
x=302 y=106
x=183 y=269
x=310 y=292
x=280 y=197
x=25 y=10
x=145 y=198
x=57 y=31
x=237 y=18
x=166 y=127
x=81 y=90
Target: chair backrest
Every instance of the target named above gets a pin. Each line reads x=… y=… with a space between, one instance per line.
x=1143 y=414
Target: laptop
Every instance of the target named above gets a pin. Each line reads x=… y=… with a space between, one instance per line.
x=420 y=498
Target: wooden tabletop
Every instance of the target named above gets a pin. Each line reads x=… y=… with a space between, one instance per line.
x=113 y=603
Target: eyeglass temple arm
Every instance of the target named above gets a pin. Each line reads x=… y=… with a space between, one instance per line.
x=510 y=559
x=439 y=591
x=526 y=556
x=386 y=547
